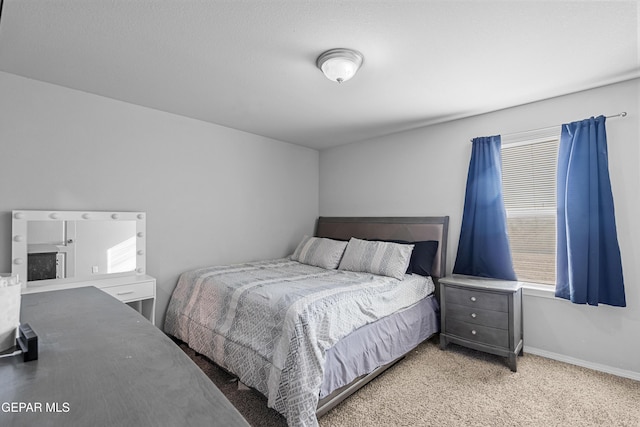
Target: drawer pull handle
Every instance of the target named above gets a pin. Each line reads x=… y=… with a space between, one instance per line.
x=473 y=299
x=124 y=293
x=473 y=332
x=474 y=315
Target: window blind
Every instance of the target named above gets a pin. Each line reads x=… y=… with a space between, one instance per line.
x=529 y=175
x=529 y=189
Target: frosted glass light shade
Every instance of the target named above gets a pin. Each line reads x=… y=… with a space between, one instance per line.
x=339 y=65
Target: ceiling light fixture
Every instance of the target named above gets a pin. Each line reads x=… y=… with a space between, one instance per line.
x=339 y=65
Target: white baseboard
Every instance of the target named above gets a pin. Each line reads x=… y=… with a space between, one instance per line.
x=578 y=362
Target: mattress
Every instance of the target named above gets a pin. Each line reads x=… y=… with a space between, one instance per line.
x=271 y=323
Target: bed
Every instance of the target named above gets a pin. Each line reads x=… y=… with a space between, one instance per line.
x=309 y=330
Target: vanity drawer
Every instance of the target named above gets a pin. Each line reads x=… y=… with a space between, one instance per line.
x=477 y=299
x=132 y=292
x=481 y=334
x=477 y=316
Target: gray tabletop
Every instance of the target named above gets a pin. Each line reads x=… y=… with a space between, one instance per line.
x=103 y=364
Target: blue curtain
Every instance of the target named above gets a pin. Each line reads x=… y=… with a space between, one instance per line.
x=483 y=249
x=589 y=269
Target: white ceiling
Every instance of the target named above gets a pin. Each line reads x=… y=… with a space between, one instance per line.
x=250 y=65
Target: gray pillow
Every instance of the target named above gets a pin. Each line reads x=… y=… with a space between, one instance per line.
x=382 y=258
x=320 y=252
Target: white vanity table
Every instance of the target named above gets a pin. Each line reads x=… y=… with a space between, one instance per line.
x=138 y=291
x=53 y=250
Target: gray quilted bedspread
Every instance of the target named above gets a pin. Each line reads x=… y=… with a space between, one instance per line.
x=271 y=322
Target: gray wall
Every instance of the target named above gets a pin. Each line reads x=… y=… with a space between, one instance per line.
x=216 y=195
x=212 y=194
x=423 y=172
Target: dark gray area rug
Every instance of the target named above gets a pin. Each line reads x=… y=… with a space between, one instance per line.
x=251 y=404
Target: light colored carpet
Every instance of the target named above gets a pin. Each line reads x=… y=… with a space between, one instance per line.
x=462 y=387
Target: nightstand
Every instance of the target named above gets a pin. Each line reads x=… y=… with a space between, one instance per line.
x=483 y=314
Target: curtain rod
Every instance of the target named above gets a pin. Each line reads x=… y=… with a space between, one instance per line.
x=507 y=135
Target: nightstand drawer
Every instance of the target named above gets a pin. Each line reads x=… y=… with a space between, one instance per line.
x=479 y=333
x=131 y=292
x=477 y=299
x=477 y=316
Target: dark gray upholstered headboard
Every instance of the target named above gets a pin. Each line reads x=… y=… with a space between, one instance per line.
x=412 y=229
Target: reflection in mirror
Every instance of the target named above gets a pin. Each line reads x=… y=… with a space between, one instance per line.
x=63 y=249
x=51 y=248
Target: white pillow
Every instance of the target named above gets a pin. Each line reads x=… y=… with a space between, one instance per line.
x=382 y=258
x=320 y=252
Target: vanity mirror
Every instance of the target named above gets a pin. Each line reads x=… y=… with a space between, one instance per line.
x=57 y=247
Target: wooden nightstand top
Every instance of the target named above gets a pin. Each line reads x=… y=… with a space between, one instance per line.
x=481 y=282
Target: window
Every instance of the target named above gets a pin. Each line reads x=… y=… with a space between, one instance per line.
x=529 y=188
